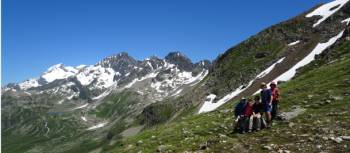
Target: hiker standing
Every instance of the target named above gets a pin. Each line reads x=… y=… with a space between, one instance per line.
x=275 y=96
x=266 y=100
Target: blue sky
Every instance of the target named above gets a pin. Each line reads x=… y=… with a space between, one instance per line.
x=39 y=33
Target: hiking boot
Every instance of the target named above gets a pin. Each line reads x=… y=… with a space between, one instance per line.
x=250 y=131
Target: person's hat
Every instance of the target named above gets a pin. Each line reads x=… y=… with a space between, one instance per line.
x=263 y=84
x=273 y=83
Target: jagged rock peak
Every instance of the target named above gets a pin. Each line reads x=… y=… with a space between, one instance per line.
x=118 y=61
x=180 y=60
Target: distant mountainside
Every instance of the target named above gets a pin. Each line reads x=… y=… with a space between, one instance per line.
x=65 y=101
x=112 y=72
x=173 y=105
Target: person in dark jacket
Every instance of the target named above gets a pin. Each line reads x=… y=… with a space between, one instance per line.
x=266 y=100
x=258 y=111
x=238 y=110
x=275 y=99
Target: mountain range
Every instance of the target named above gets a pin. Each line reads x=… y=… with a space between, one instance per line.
x=174 y=105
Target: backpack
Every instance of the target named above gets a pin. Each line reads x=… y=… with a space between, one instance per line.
x=239 y=108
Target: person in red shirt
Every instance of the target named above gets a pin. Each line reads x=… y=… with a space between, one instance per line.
x=247 y=117
x=275 y=100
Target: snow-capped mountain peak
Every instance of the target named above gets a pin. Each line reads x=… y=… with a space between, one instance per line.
x=58 y=71
x=161 y=77
x=102 y=77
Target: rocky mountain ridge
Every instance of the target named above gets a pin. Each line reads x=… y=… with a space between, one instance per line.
x=112 y=72
x=176 y=106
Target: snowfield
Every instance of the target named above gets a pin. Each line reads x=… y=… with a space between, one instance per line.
x=210 y=105
x=269 y=69
x=180 y=78
x=73 y=95
x=84 y=118
x=104 y=94
x=308 y=59
x=294 y=43
x=347 y=21
x=97 y=126
x=148 y=76
x=80 y=107
x=326 y=10
x=59 y=72
x=85 y=74
x=177 y=93
x=81 y=66
x=198 y=78
x=61 y=101
x=104 y=76
x=29 y=84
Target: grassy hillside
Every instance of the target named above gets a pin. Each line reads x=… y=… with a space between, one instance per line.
x=38 y=123
x=116 y=104
x=323 y=91
x=241 y=63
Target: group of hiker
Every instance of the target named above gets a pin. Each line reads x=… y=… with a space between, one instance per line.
x=253 y=114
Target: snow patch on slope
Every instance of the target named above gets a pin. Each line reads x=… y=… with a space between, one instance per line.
x=97 y=126
x=347 y=21
x=294 y=43
x=29 y=84
x=213 y=105
x=269 y=69
x=61 y=101
x=210 y=105
x=64 y=90
x=177 y=92
x=177 y=80
x=309 y=58
x=58 y=71
x=84 y=118
x=200 y=77
x=48 y=129
x=80 y=107
x=81 y=67
x=104 y=94
x=151 y=75
x=325 y=10
x=103 y=76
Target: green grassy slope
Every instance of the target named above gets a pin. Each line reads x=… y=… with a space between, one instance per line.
x=240 y=64
x=324 y=91
x=23 y=127
x=116 y=104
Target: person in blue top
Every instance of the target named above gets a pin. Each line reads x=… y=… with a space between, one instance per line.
x=266 y=100
x=239 y=110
